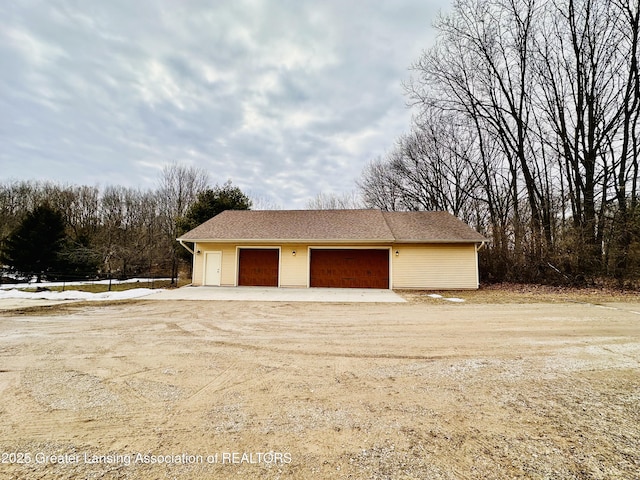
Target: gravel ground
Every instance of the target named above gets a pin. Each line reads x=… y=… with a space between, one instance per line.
x=422 y=390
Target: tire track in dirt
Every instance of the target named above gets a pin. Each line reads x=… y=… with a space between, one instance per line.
x=239 y=376
x=382 y=356
x=219 y=382
x=198 y=329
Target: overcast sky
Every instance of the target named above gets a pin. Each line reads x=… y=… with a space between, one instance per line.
x=286 y=98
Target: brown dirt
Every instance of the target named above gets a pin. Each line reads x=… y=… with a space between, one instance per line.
x=423 y=390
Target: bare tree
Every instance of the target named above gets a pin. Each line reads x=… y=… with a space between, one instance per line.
x=333 y=201
x=481 y=69
x=587 y=67
x=380 y=187
x=626 y=184
x=118 y=230
x=436 y=165
x=538 y=104
x=178 y=189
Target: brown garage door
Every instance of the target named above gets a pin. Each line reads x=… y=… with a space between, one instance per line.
x=258 y=267
x=342 y=268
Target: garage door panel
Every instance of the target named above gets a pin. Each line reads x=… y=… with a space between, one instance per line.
x=345 y=268
x=258 y=267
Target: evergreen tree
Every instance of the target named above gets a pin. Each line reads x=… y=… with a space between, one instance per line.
x=78 y=259
x=212 y=202
x=34 y=247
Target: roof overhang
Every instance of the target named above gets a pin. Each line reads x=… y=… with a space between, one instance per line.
x=284 y=240
x=328 y=240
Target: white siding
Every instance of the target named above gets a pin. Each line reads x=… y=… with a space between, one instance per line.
x=293 y=268
x=227 y=274
x=428 y=267
x=435 y=266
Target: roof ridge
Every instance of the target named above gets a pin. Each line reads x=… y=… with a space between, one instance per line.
x=393 y=233
x=312 y=210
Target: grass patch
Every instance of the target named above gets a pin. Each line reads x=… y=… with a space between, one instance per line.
x=505 y=293
x=101 y=288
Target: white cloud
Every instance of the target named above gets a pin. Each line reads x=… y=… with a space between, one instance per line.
x=156 y=85
x=34 y=49
x=286 y=98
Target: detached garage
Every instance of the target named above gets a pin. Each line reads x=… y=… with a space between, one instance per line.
x=335 y=248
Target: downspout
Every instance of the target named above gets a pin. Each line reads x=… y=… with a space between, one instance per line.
x=186 y=246
x=478 y=248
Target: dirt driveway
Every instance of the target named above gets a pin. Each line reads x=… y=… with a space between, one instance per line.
x=420 y=390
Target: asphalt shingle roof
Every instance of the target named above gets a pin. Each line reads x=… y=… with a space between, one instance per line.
x=334 y=225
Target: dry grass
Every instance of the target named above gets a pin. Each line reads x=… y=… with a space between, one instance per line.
x=101 y=287
x=63 y=308
x=509 y=293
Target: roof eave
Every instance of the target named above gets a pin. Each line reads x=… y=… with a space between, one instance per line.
x=444 y=240
x=286 y=240
x=327 y=240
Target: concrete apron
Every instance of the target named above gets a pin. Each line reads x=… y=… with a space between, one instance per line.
x=272 y=294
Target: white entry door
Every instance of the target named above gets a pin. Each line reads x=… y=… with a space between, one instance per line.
x=212 y=264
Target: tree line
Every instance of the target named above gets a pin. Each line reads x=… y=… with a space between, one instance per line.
x=54 y=231
x=527 y=127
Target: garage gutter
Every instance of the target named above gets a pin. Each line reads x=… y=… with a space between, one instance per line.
x=190 y=250
x=347 y=241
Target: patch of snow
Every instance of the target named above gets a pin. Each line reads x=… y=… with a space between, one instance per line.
x=448 y=299
x=78 y=295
